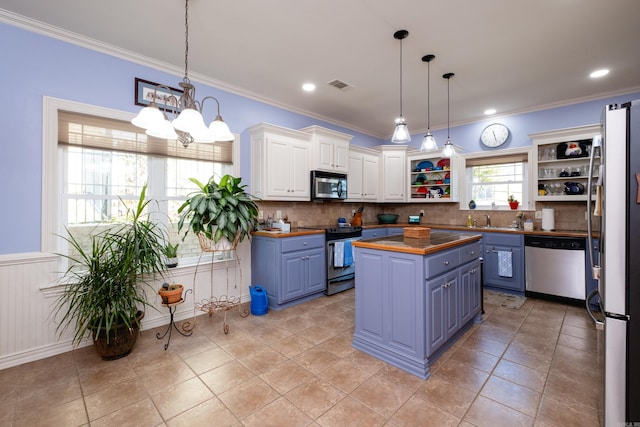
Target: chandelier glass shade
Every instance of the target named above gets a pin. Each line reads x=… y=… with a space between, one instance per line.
x=189 y=125
x=401 y=133
x=448 y=150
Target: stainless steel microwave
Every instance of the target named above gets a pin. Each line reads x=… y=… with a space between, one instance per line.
x=328 y=186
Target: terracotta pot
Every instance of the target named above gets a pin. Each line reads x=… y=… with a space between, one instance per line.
x=171 y=297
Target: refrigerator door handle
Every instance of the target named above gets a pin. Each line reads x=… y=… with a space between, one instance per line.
x=599 y=324
x=597 y=143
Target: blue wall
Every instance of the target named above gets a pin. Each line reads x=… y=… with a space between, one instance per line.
x=34 y=66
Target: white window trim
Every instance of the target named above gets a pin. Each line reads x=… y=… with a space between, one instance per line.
x=51 y=210
x=530 y=187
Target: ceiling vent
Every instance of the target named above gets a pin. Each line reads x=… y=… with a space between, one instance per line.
x=339 y=84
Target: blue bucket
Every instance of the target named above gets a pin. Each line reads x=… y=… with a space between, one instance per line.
x=259 y=300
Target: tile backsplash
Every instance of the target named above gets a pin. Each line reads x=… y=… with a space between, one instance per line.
x=569 y=216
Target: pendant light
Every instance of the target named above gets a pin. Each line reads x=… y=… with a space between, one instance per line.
x=401 y=133
x=428 y=142
x=448 y=150
x=189 y=124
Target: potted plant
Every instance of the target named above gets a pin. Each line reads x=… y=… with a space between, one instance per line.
x=221 y=213
x=105 y=286
x=513 y=203
x=170 y=293
x=171 y=254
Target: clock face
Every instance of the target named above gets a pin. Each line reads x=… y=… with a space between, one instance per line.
x=494 y=135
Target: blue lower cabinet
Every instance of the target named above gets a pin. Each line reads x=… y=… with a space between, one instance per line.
x=290 y=269
x=503 y=267
x=411 y=308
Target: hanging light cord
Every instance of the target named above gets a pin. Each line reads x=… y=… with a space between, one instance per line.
x=186 y=41
x=428 y=96
x=400 y=77
x=448 y=106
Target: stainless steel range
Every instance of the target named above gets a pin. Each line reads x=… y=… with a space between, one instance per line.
x=340 y=260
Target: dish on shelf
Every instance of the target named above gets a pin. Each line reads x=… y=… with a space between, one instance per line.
x=424 y=165
x=447 y=178
x=572 y=150
x=436 y=192
x=447 y=192
x=421 y=179
x=434 y=178
x=422 y=190
x=444 y=162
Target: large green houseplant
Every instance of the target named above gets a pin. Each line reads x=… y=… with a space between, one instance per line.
x=219 y=210
x=104 y=286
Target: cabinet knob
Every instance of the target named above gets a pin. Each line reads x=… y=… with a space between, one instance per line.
x=305 y=243
x=472 y=252
x=446 y=263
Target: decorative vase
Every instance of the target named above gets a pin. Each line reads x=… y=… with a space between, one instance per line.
x=514 y=205
x=171 y=262
x=472 y=205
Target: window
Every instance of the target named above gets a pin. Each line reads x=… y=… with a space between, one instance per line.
x=104 y=163
x=492 y=179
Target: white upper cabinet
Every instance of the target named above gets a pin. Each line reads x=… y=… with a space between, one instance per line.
x=363 y=175
x=280 y=160
x=433 y=178
x=394 y=172
x=561 y=163
x=330 y=149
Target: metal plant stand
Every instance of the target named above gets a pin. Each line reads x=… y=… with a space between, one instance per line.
x=225 y=302
x=172 y=325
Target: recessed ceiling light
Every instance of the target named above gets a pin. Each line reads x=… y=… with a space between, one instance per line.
x=599 y=73
x=308 y=87
x=489 y=111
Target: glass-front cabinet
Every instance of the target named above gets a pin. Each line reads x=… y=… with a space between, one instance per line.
x=562 y=163
x=433 y=178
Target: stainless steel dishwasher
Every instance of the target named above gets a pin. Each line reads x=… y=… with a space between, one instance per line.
x=555 y=266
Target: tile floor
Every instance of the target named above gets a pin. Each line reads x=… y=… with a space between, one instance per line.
x=296 y=367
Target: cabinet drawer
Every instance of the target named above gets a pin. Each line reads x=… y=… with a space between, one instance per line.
x=503 y=239
x=470 y=252
x=441 y=262
x=302 y=242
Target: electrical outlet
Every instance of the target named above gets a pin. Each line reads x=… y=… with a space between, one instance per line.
x=353 y=212
x=586 y=215
x=421 y=212
x=278 y=214
x=538 y=214
x=260 y=214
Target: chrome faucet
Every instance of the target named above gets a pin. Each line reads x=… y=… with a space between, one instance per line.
x=488 y=220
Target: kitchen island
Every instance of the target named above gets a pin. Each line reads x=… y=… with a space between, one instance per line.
x=415 y=297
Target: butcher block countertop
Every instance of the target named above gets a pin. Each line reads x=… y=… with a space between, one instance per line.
x=293 y=233
x=556 y=233
x=436 y=242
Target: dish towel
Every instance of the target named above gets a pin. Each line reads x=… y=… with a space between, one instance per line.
x=338 y=254
x=348 y=253
x=505 y=264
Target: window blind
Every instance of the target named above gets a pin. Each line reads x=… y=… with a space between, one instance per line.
x=497 y=160
x=117 y=135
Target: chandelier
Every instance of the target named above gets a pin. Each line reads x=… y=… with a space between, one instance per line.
x=189 y=125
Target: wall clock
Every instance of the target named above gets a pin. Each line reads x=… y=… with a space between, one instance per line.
x=494 y=135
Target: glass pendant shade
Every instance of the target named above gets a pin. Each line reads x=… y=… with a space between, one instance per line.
x=401 y=133
x=148 y=118
x=190 y=120
x=220 y=130
x=448 y=150
x=428 y=143
x=164 y=130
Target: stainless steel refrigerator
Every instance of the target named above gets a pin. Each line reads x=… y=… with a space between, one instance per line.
x=615 y=204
